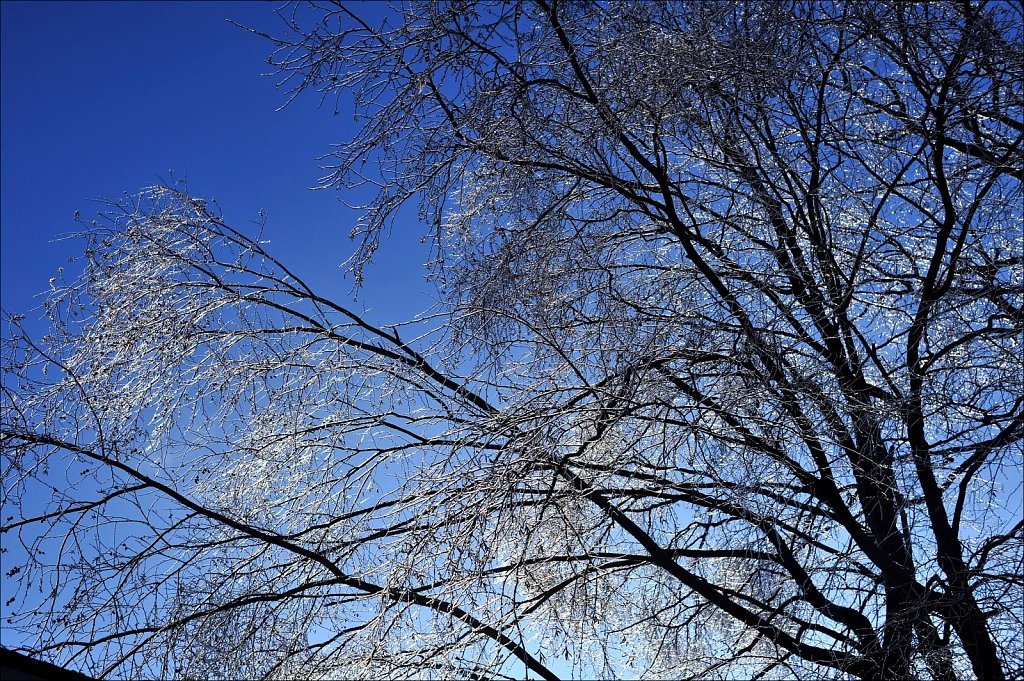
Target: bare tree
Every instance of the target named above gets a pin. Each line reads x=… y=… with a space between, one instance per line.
x=726 y=383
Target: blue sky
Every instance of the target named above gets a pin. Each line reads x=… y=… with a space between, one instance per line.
x=100 y=99
x=103 y=99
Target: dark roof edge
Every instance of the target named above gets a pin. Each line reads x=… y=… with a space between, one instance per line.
x=29 y=666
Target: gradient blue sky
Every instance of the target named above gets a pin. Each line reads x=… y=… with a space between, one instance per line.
x=100 y=99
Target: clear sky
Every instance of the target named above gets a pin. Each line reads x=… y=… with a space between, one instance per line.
x=102 y=99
